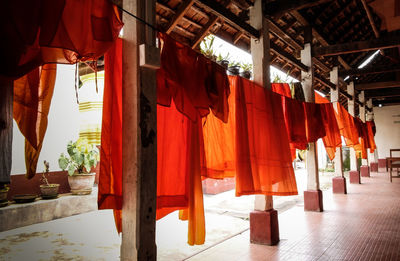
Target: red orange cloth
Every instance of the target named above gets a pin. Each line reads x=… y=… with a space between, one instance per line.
x=332 y=139
x=57 y=31
x=263 y=161
x=32 y=99
x=110 y=177
x=282 y=89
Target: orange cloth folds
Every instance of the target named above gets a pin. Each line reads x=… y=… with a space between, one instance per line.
x=370 y=130
x=110 y=178
x=314 y=122
x=346 y=126
x=295 y=123
x=282 y=89
x=56 y=31
x=263 y=161
x=332 y=140
x=32 y=99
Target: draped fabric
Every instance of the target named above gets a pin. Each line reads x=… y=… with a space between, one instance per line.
x=54 y=31
x=282 y=89
x=180 y=153
x=295 y=120
x=110 y=177
x=195 y=83
x=332 y=139
x=314 y=122
x=263 y=161
x=32 y=99
x=370 y=130
x=219 y=141
x=346 y=126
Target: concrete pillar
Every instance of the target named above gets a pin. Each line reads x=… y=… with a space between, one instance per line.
x=354 y=173
x=264 y=228
x=313 y=195
x=339 y=181
x=361 y=98
x=139 y=171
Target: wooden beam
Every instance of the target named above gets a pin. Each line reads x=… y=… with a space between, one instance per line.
x=370 y=18
x=275 y=29
x=183 y=8
x=220 y=10
x=237 y=37
x=318 y=36
x=288 y=57
x=372 y=70
x=377 y=85
x=325 y=82
x=382 y=93
x=204 y=32
x=278 y=8
x=360 y=46
x=6 y=129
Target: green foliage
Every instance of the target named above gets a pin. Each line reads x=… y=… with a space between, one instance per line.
x=207 y=46
x=233 y=63
x=221 y=58
x=246 y=66
x=81 y=157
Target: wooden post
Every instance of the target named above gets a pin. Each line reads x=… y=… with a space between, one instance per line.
x=339 y=181
x=6 y=129
x=370 y=116
x=361 y=98
x=313 y=195
x=139 y=154
x=264 y=227
x=354 y=173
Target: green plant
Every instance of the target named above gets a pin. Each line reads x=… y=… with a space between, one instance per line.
x=4 y=187
x=233 y=63
x=207 y=46
x=46 y=171
x=82 y=156
x=246 y=67
x=223 y=58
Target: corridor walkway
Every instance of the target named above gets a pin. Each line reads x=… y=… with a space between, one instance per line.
x=362 y=225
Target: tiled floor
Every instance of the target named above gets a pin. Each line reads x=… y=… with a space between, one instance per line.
x=362 y=225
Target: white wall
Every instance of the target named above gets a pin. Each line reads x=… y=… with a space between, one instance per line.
x=63 y=124
x=387 y=120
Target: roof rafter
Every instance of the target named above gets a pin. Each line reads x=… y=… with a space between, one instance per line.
x=204 y=32
x=372 y=70
x=220 y=10
x=377 y=85
x=183 y=8
x=359 y=46
x=278 y=8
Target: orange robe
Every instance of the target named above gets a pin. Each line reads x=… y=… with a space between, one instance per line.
x=263 y=161
x=370 y=126
x=32 y=99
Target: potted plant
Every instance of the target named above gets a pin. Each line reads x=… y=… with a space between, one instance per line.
x=207 y=48
x=81 y=157
x=47 y=190
x=223 y=60
x=3 y=195
x=247 y=68
x=234 y=68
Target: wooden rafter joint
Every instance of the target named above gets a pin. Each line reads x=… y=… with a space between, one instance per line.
x=277 y=8
x=227 y=15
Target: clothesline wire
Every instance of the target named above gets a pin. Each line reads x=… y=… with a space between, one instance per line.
x=136 y=17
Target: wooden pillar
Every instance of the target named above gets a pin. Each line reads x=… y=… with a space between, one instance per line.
x=264 y=227
x=370 y=117
x=313 y=195
x=354 y=173
x=351 y=109
x=139 y=153
x=6 y=129
x=339 y=181
x=361 y=98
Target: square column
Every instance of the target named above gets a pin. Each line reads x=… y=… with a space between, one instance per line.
x=361 y=97
x=351 y=110
x=339 y=181
x=264 y=228
x=313 y=195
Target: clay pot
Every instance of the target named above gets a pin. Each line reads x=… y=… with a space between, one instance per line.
x=49 y=191
x=234 y=70
x=246 y=74
x=81 y=184
x=3 y=195
x=224 y=63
